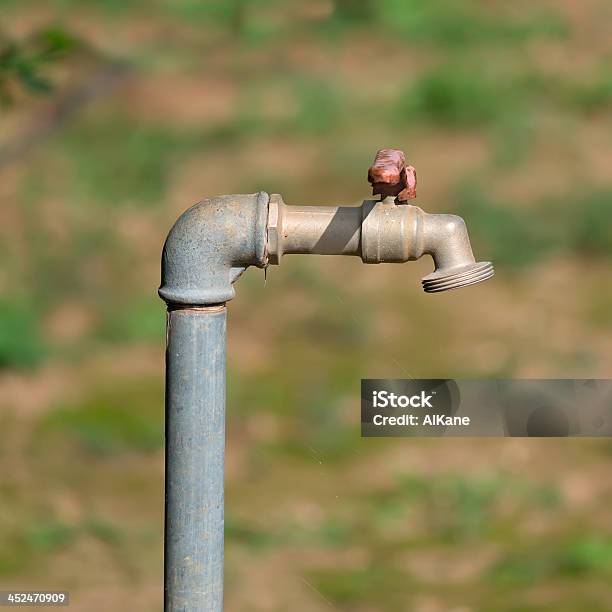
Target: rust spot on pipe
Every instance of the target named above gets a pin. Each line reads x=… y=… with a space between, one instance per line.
x=390 y=176
x=173 y=307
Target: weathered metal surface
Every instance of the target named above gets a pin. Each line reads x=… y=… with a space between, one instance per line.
x=195 y=447
x=390 y=176
x=378 y=232
x=210 y=245
x=324 y=230
x=397 y=234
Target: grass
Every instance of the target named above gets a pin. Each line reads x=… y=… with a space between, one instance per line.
x=549 y=226
x=331 y=534
x=599 y=308
x=116 y=163
x=138 y=320
x=308 y=404
x=586 y=554
x=373 y=584
x=498 y=227
x=21 y=341
x=454 y=72
x=104 y=530
x=457 y=23
x=114 y=420
x=48 y=536
x=457 y=96
x=320 y=106
x=460 y=93
x=591 y=224
x=454 y=508
x=36 y=539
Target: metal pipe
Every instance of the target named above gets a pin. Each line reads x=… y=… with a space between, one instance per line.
x=206 y=250
x=323 y=230
x=195 y=451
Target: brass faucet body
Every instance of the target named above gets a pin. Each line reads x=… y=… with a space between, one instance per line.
x=377 y=232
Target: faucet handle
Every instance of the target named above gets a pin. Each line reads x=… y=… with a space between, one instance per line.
x=390 y=176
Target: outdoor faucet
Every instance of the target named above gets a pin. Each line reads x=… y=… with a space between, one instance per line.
x=207 y=249
x=214 y=241
x=378 y=231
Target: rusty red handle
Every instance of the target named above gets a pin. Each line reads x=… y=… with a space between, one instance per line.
x=390 y=176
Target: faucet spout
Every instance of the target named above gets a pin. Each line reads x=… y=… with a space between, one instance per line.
x=446 y=239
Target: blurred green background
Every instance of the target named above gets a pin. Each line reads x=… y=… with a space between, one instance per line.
x=115 y=116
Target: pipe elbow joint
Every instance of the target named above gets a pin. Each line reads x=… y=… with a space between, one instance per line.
x=210 y=245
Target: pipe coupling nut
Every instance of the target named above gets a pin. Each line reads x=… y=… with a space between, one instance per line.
x=276 y=213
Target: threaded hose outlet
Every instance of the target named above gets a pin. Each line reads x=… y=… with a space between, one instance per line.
x=459 y=276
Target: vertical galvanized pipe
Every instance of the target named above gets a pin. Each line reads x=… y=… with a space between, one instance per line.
x=195 y=447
